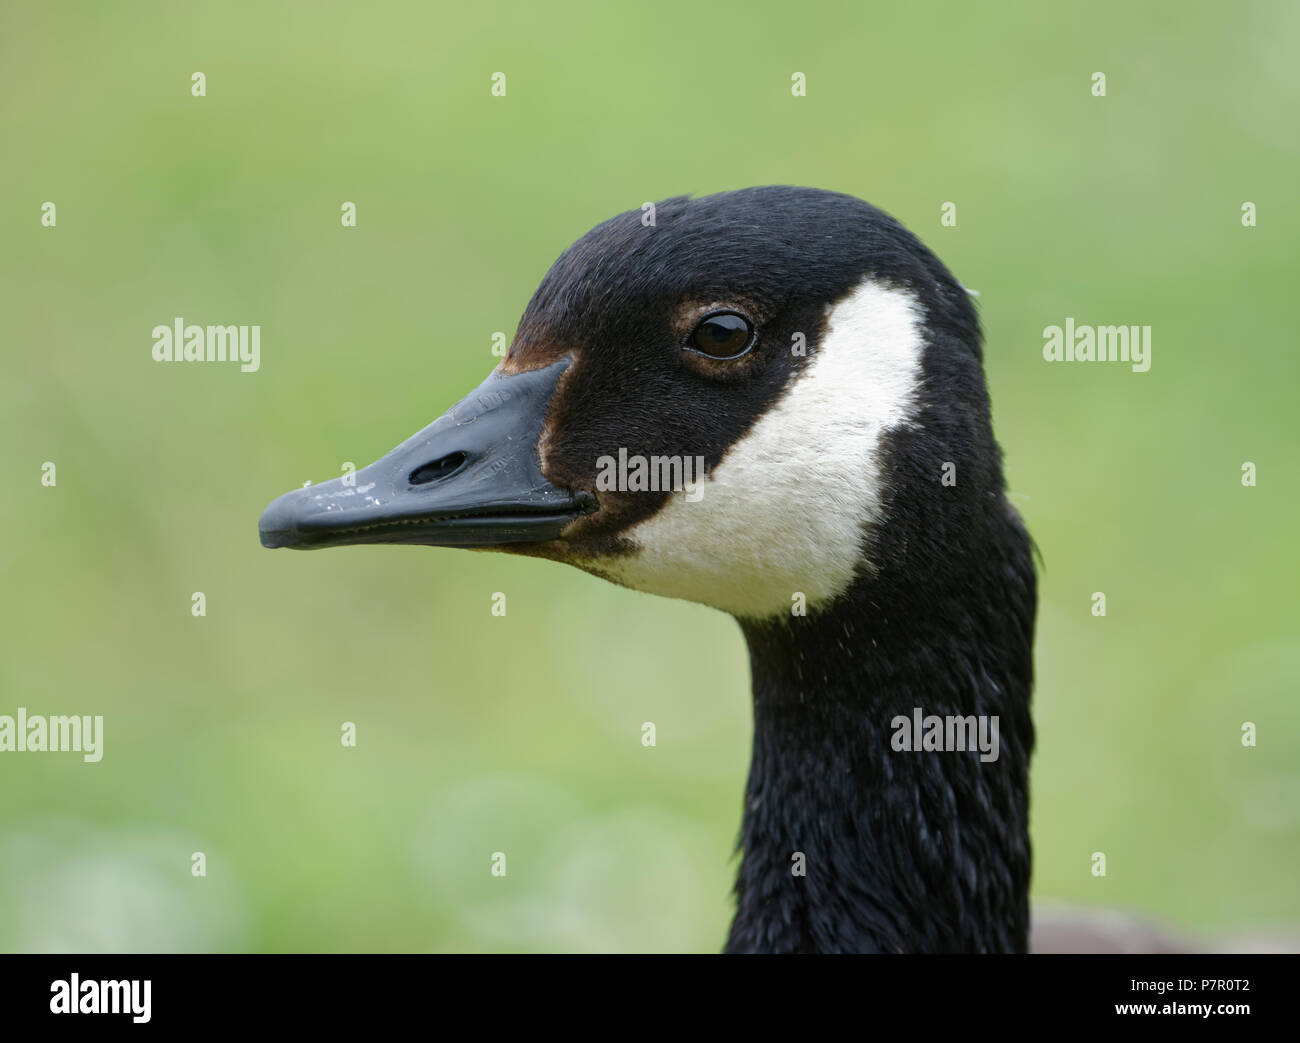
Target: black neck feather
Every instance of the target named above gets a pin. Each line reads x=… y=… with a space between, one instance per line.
x=902 y=851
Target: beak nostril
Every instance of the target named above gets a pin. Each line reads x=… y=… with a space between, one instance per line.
x=439 y=469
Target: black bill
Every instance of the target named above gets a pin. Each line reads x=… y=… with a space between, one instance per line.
x=470 y=479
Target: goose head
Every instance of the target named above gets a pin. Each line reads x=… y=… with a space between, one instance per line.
x=724 y=403
x=771 y=402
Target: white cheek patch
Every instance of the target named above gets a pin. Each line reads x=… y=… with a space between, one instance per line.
x=784 y=511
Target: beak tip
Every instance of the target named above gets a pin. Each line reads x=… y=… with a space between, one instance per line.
x=272 y=539
x=276 y=527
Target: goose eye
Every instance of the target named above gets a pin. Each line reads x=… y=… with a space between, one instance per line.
x=722 y=335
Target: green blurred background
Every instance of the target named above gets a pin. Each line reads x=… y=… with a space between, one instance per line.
x=522 y=734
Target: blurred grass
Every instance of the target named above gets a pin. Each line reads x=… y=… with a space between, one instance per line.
x=521 y=733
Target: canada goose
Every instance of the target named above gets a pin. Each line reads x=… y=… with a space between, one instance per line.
x=826 y=367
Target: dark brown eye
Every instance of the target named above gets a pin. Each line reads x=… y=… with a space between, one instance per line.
x=722 y=335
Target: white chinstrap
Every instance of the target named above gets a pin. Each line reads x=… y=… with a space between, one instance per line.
x=744 y=546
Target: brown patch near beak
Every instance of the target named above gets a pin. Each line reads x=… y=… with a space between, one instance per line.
x=548 y=426
x=533 y=351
